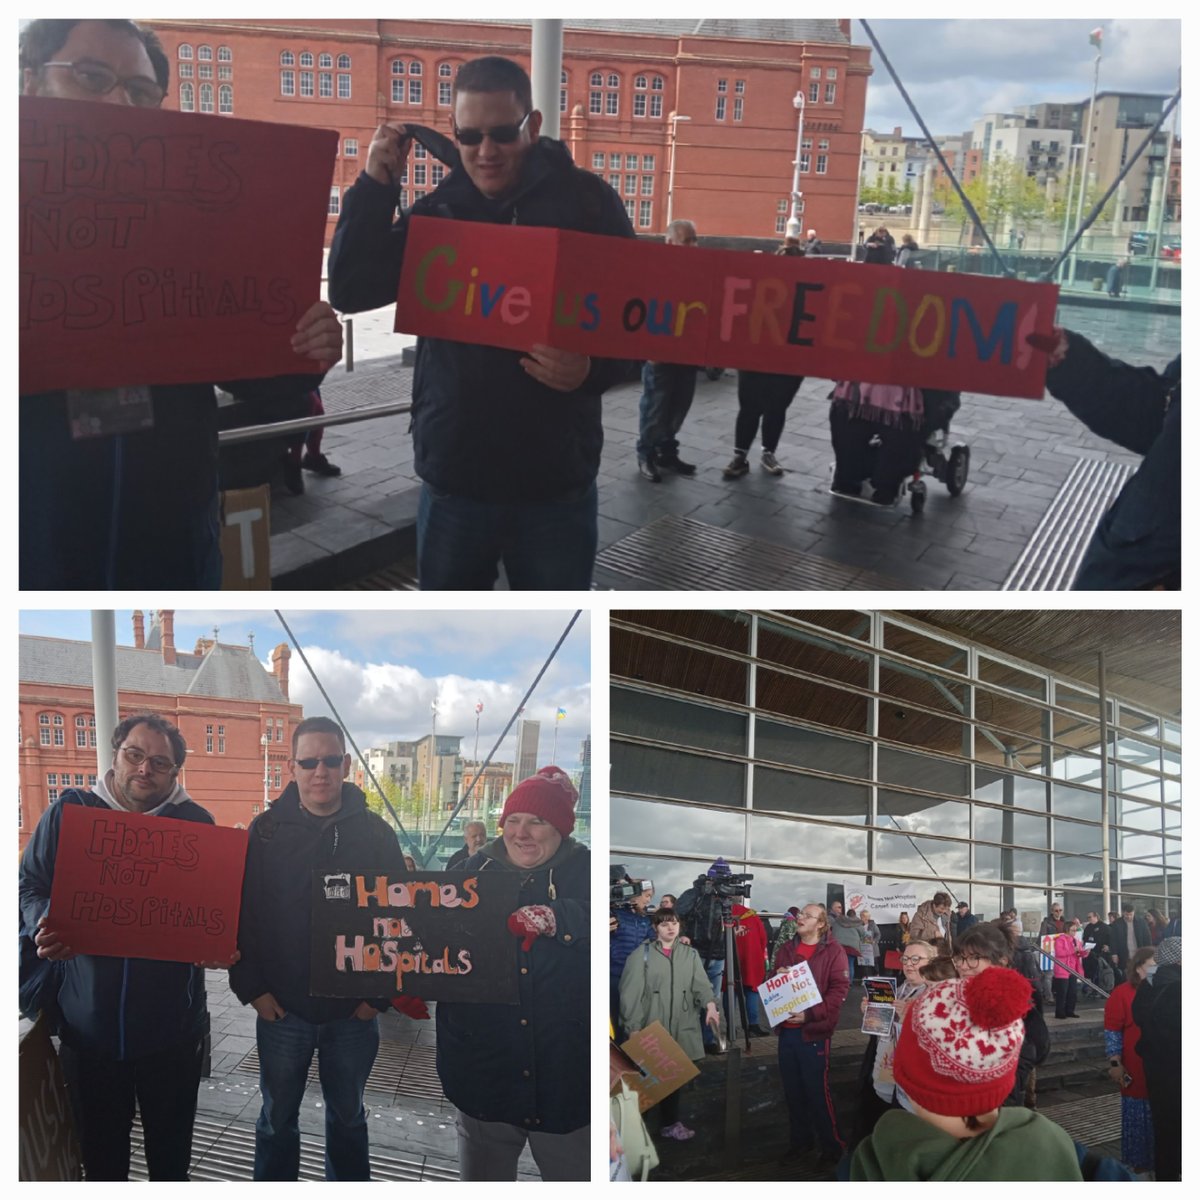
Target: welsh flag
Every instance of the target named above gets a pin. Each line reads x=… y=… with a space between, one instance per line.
x=1096 y=37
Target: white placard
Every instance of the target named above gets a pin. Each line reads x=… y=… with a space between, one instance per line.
x=885 y=901
x=789 y=992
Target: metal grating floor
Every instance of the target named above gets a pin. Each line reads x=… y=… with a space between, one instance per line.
x=399 y=577
x=224 y=1152
x=401 y=1070
x=688 y=555
x=1099 y=1120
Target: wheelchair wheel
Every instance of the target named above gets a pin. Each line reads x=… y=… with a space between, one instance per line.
x=958 y=469
x=917 y=498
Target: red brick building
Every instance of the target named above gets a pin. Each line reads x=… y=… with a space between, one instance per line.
x=221 y=697
x=621 y=82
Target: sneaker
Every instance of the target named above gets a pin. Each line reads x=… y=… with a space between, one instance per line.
x=678 y=1132
x=676 y=464
x=293 y=478
x=647 y=470
x=318 y=464
x=770 y=463
x=737 y=468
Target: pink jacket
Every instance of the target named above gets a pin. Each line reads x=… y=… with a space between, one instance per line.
x=1068 y=950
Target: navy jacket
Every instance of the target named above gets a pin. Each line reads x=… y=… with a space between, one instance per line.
x=527 y=1064
x=113 y=1008
x=632 y=930
x=1137 y=543
x=287 y=844
x=475 y=411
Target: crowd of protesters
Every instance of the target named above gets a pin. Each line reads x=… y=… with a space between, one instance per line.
x=923 y=1111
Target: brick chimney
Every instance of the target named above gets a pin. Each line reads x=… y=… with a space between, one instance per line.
x=279 y=666
x=166 y=619
x=139 y=629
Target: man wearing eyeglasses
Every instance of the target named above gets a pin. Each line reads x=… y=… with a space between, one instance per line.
x=319 y=823
x=507 y=444
x=145 y=474
x=132 y=1029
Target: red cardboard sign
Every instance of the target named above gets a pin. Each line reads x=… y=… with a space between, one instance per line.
x=512 y=286
x=133 y=886
x=164 y=247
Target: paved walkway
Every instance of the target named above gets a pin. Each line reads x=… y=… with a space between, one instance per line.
x=346 y=528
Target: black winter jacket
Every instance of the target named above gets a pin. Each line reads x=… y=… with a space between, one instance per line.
x=527 y=1064
x=113 y=1008
x=476 y=412
x=287 y=844
x=1137 y=543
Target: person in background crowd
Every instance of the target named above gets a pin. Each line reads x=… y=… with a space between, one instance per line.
x=1125 y=1068
x=904 y=923
x=812 y=244
x=804 y=1039
x=750 y=946
x=1095 y=933
x=1127 y=934
x=786 y=931
x=1158 y=1010
x=628 y=928
x=1068 y=957
x=908 y=251
x=668 y=901
x=667 y=393
x=983 y=947
x=932 y=920
x=1175 y=924
x=847 y=929
x=1157 y=924
x=1050 y=927
x=699 y=910
x=956 y=1060
x=474 y=839
x=963 y=918
x=877 y=1085
x=665 y=981
x=869 y=951
x=881 y=247
x=1114 y=281
x=304 y=453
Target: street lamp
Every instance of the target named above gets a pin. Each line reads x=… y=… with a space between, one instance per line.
x=674 y=118
x=265 y=741
x=793 y=225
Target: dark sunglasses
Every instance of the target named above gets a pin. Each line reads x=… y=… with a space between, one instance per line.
x=502 y=135
x=330 y=760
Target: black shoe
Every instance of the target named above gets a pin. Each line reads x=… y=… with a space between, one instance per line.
x=676 y=464
x=318 y=464
x=885 y=498
x=293 y=478
x=1072 y=1016
x=647 y=470
x=847 y=489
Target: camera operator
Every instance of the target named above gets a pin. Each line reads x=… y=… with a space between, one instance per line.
x=628 y=927
x=700 y=910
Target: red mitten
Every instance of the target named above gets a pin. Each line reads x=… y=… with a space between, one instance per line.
x=1054 y=344
x=532 y=922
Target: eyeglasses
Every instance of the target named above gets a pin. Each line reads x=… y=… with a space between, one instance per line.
x=910 y=960
x=330 y=760
x=502 y=135
x=970 y=961
x=135 y=757
x=100 y=79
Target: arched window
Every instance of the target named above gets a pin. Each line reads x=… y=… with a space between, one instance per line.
x=206 y=97
x=639 y=82
x=306 y=59
x=287 y=59
x=326 y=62
x=397 y=66
x=562 y=93
x=446 y=71
x=224 y=54
x=343 y=62
x=81 y=732
x=597 y=79
x=204 y=54
x=604 y=96
x=187 y=97
x=414 y=68
x=185 y=51
x=225 y=98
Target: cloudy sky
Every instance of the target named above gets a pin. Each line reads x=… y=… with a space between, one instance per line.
x=384 y=669
x=955 y=71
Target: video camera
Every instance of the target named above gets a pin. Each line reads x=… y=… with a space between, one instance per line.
x=724 y=887
x=622 y=889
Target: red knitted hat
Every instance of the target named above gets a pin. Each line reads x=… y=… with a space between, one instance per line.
x=549 y=794
x=958 y=1049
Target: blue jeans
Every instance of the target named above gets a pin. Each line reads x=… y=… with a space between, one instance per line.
x=804 y=1072
x=667 y=392
x=347 y=1051
x=714 y=968
x=544 y=546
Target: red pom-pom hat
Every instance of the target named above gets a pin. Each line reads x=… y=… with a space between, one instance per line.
x=549 y=794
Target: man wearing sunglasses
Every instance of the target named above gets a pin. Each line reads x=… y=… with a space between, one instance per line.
x=132 y=1029
x=319 y=823
x=507 y=444
x=145 y=474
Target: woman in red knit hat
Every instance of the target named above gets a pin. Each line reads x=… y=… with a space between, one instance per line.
x=956 y=1060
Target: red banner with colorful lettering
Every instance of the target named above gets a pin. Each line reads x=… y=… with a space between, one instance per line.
x=513 y=286
x=164 y=247
x=134 y=886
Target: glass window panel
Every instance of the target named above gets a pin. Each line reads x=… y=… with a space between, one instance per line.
x=812 y=653
x=985 y=902
x=776 y=889
x=1001 y=787
x=1136 y=783
x=918 y=645
x=1010 y=825
x=809 y=796
x=993 y=671
x=1172 y=821
x=649 y=660
x=1075 y=802
x=919 y=687
x=1076 y=732
x=1136 y=814
x=1172 y=732
x=923 y=814
x=1139 y=722
x=1014 y=716
x=1173 y=856
x=1004 y=749
x=828 y=847
x=1080 y=702
x=807 y=748
x=1170 y=762
x=676 y=721
x=1171 y=791
x=657 y=827
x=1139 y=847
x=1077 y=767
x=895 y=852
x=1139 y=877
x=846 y=621
x=1137 y=753
x=1021 y=866
x=910 y=728
x=715 y=627
x=814 y=702
x=1076 y=838
x=679 y=776
x=1074 y=870
x=920 y=770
